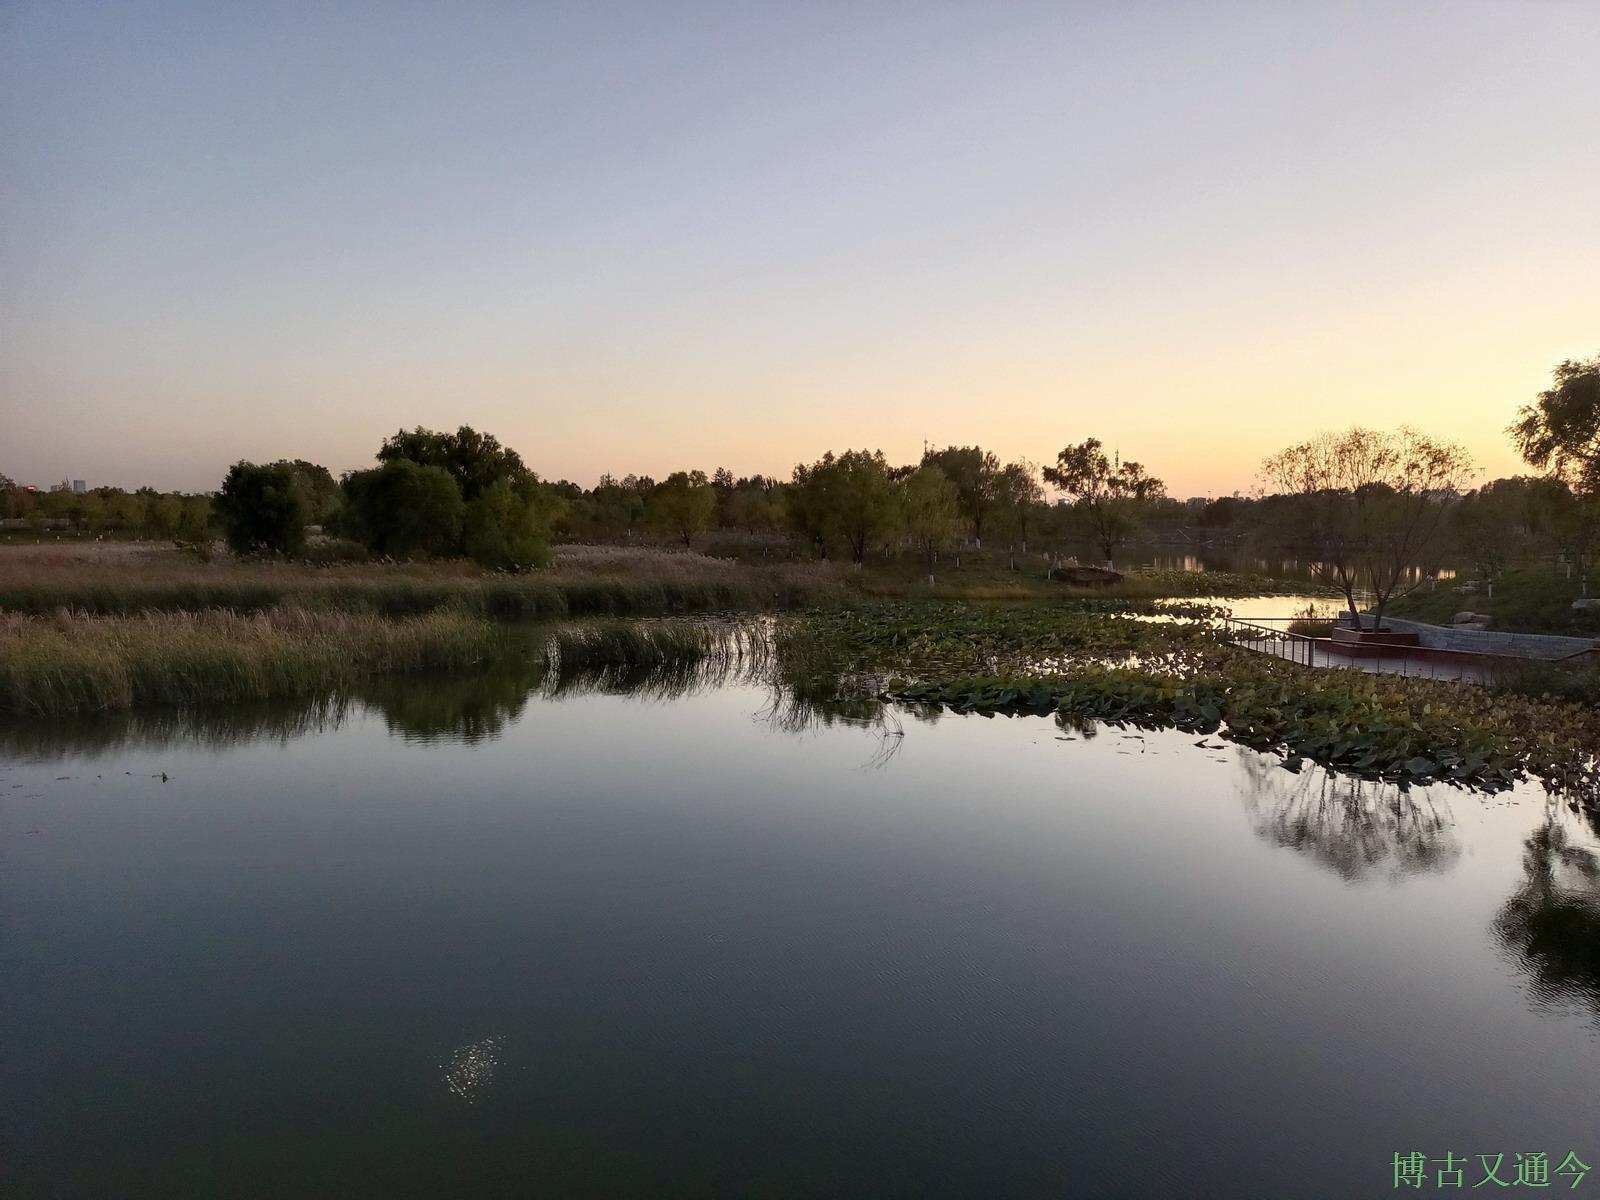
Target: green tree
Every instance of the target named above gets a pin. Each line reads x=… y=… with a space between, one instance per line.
x=930 y=507
x=1110 y=497
x=809 y=507
x=476 y=461
x=850 y=497
x=683 y=504
x=1018 y=495
x=162 y=514
x=263 y=508
x=505 y=530
x=757 y=505
x=321 y=490
x=194 y=525
x=404 y=510
x=975 y=474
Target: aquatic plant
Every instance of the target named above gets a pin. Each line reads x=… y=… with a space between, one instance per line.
x=1188 y=675
x=71 y=662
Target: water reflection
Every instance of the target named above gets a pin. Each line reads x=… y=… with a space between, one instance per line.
x=1550 y=927
x=1354 y=827
x=210 y=729
x=471 y=707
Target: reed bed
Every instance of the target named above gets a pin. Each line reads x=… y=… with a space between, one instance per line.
x=655 y=659
x=85 y=663
x=584 y=581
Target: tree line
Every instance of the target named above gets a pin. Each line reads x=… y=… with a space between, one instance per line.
x=1369 y=509
x=144 y=513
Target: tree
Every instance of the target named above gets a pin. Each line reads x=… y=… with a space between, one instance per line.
x=404 y=510
x=930 y=506
x=1109 y=497
x=476 y=461
x=505 y=530
x=683 y=504
x=1490 y=527
x=321 y=489
x=194 y=525
x=162 y=514
x=757 y=505
x=809 y=508
x=1560 y=433
x=974 y=472
x=263 y=508
x=1018 y=493
x=1370 y=504
x=850 y=497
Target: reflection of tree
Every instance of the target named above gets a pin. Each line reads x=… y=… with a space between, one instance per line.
x=1351 y=826
x=465 y=708
x=1550 y=927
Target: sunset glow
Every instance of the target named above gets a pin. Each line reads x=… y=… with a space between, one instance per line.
x=639 y=238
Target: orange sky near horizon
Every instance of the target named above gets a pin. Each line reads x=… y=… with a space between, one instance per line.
x=629 y=239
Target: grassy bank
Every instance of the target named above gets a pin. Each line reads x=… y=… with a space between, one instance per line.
x=125 y=578
x=585 y=581
x=1526 y=600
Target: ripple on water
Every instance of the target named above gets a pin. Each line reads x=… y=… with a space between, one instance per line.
x=471 y=1069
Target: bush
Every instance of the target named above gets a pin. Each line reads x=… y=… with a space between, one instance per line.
x=503 y=530
x=403 y=511
x=263 y=508
x=1551 y=680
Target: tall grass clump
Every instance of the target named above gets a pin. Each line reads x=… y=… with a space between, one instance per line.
x=583 y=581
x=659 y=659
x=75 y=663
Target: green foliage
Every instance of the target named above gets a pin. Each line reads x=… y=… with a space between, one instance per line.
x=975 y=474
x=849 y=499
x=1092 y=666
x=476 y=461
x=930 y=510
x=1534 y=599
x=505 y=531
x=72 y=663
x=683 y=505
x=1110 y=499
x=263 y=508
x=403 y=510
x=320 y=488
x=1552 y=681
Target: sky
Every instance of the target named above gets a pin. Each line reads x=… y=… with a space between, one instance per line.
x=643 y=237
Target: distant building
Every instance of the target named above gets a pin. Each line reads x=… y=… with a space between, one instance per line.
x=79 y=486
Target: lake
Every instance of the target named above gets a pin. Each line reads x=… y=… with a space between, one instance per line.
x=460 y=938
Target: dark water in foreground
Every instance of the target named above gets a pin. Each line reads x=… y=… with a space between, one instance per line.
x=598 y=945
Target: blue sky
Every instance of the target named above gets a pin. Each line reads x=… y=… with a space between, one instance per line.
x=640 y=237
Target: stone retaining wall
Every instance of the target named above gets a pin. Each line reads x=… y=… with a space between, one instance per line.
x=1483 y=641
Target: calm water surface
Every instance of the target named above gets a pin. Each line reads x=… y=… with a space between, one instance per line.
x=455 y=940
